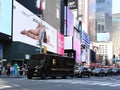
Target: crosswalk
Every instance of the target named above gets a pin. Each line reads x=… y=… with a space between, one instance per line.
x=85 y=82
x=93 y=81
x=3 y=85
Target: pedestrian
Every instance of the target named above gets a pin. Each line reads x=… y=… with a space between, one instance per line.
x=15 y=69
x=12 y=70
x=0 y=69
x=8 y=69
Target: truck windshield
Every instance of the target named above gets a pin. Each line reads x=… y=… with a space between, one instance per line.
x=34 y=62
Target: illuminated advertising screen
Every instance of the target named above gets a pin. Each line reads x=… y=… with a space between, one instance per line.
x=32 y=5
x=29 y=28
x=1 y=51
x=73 y=4
x=68 y=43
x=103 y=36
x=65 y=20
x=70 y=22
x=77 y=48
x=5 y=16
x=47 y=8
x=60 y=44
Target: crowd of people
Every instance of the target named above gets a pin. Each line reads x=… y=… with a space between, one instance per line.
x=12 y=70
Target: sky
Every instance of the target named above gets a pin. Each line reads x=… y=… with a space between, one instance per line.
x=115 y=6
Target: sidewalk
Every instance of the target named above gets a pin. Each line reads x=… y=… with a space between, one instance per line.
x=11 y=76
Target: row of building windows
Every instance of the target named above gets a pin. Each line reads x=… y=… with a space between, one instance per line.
x=100 y=1
x=103 y=49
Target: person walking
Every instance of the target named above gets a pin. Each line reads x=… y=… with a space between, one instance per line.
x=15 y=69
x=0 y=69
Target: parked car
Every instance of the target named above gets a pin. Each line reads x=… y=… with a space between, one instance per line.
x=98 y=72
x=108 y=71
x=81 y=71
x=115 y=71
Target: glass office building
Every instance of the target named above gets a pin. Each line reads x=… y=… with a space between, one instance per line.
x=103 y=19
x=116 y=34
x=100 y=20
x=100 y=25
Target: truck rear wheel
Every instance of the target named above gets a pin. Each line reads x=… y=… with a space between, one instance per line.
x=64 y=77
x=29 y=76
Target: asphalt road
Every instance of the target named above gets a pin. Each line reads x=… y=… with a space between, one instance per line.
x=92 y=83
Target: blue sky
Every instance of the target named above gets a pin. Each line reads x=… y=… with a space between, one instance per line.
x=115 y=6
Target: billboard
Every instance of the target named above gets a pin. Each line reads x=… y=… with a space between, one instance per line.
x=73 y=4
x=32 y=5
x=60 y=43
x=5 y=16
x=77 y=48
x=46 y=8
x=1 y=51
x=65 y=20
x=70 y=22
x=68 y=42
x=28 y=27
x=103 y=37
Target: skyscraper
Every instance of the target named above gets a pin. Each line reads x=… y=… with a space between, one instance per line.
x=100 y=20
x=100 y=26
x=103 y=19
x=116 y=34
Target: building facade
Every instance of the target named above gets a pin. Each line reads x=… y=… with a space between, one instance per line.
x=24 y=16
x=116 y=34
x=100 y=25
x=100 y=15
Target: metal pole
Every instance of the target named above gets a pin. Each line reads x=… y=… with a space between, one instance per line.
x=41 y=35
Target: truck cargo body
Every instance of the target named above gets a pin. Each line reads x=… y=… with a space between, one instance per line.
x=48 y=65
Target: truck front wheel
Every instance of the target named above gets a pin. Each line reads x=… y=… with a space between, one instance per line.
x=43 y=76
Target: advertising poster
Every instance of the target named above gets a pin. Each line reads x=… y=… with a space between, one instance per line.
x=70 y=22
x=73 y=4
x=5 y=16
x=103 y=37
x=68 y=43
x=77 y=48
x=35 y=6
x=30 y=29
x=1 y=51
x=0 y=8
x=60 y=44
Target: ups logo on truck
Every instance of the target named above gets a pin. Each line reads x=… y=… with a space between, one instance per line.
x=54 y=61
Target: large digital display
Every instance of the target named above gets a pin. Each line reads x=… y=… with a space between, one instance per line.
x=60 y=43
x=33 y=5
x=77 y=48
x=70 y=22
x=29 y=28
x=68 y=42
x=5 y=16
x=73 y=4
x=1 y=51
x=103 y=37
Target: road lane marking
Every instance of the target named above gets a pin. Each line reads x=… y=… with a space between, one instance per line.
x=99 y=83
x=5 y=86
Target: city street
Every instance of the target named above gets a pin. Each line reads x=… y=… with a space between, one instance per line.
x=92 y=83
